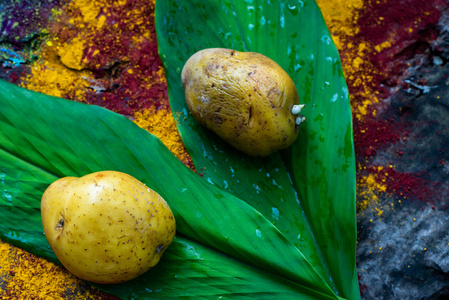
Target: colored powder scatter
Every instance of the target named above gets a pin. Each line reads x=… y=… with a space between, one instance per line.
x=340 y=16
x=121 y=47
x=388 y=33
x=389 y=40
x=10 y=58
x=375 y=40
x=71 y=54
x=49 y=75
x=25 y=276
x=405 y=184
x=368 y=191
x=393 y=33
x=21 y=26
x=109 y=52
x=387 y=180
x=376 y=134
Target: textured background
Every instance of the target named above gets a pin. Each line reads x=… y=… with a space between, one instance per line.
x=394 y=54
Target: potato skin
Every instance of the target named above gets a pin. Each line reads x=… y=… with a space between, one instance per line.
x=244 y=97
x=106 y=227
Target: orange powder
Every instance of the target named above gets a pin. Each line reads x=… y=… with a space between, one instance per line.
x=25 y=276
x=162 y=124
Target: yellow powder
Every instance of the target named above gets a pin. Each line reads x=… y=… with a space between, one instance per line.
x=340 y=17
x=368 y=189
x=162 y=124
x=25 y=276
x=101 y=21
x=161 y=74
x=89 y=9
x=71 y=54
x=360 y=79
x=382 y=46
x=50 y=76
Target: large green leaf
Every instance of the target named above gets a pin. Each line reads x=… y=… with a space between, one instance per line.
x=279 y=227
x=224 y=246
x=308 y=191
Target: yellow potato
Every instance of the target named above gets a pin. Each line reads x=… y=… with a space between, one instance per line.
x=106 y=227
x=244 y=97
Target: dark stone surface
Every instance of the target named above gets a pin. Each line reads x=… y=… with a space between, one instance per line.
x=403 y=252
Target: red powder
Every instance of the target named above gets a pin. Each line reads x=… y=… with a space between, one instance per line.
x=407 y=27
x=394 y=33
x=13 y=77
x=123 y=54
x=401 y=22
x=373 y=135
x=407 y=185
x=132 y=82
x=406 y=31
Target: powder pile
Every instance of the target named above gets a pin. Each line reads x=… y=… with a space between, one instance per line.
x=25 y=276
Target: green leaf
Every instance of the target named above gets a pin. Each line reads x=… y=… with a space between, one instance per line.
x=191 y=270
x=307 y=191
x=279 y=227
x=224 y=246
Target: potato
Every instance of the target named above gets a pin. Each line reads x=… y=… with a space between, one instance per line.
x=244 y=97
x=106 y=227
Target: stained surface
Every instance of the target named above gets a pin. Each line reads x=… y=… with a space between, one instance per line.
x=397 y=85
